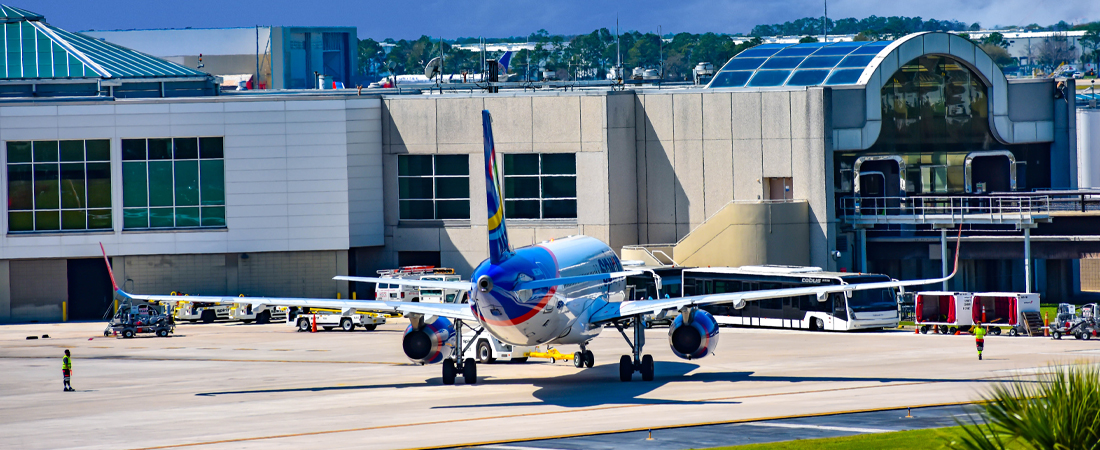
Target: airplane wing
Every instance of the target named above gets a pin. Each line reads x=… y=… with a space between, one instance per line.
x=434 y=284
x=448 y=310
x=612 y=311
x=619 y=310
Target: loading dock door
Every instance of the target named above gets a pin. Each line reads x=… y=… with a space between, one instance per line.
x=90 y=292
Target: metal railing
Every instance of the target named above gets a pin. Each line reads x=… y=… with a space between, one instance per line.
x=945 y=209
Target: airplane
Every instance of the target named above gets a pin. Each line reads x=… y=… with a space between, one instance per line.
x=421 y=80
x=563 y=292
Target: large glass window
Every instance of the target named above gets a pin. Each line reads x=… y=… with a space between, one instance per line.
x=540 y=186
x=59 y=185
x=173 y=183
x=433 y=187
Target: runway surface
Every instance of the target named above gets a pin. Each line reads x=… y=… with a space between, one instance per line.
x=267 y=386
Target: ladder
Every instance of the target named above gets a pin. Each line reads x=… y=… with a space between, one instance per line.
x=1033 y=323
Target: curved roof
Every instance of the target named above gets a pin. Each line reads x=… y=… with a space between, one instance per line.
x=810 y=64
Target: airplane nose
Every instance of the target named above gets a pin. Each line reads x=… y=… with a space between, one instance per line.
x=484 y=283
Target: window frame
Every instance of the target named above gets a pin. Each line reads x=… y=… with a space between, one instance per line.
x=173 y=161
x=60 y=162
x=542 y=198
x=434 y=199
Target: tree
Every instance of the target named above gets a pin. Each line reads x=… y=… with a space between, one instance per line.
x=807 y=40
x=1091 y=41
x=1055 y=50
x=975 y=26
x=371 y=57
x=998 y=54
x=996 y=38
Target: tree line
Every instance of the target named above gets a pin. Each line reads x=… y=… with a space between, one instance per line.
x=590 y=56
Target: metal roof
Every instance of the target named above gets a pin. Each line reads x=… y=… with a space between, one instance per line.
x=34 y=49
x=810 y=64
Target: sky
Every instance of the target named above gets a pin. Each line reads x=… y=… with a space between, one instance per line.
x=497 y=18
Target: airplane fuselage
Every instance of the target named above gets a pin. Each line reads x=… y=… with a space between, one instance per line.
x=555 y=314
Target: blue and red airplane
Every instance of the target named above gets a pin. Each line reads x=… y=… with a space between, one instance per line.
x=560 y=292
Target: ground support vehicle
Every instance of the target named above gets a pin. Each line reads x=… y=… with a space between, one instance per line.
x=399 y=293
x=551 y=353
x=1017 y=310
x=487 y=349
x=328 y=320
x=943 y=312
x=1086 y=326
x=245 y=313
x=206 y=312
x=140 y=317
x=1067 y=322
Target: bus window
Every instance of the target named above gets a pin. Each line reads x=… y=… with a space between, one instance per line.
x=873 y=300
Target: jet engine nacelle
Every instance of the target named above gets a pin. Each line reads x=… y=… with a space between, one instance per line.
x=695 y=339
x=431 y=343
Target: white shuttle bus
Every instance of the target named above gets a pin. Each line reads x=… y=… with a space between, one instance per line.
x=869 y=309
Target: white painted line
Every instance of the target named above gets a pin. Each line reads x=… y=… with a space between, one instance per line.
x=818 y=427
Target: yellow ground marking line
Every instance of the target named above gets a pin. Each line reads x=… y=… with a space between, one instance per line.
x=139 y=358
x=244 y=349
x=510 y=416
x=594 y=433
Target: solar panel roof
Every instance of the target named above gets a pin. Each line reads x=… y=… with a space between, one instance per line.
x=809 y=64
x=35 y=49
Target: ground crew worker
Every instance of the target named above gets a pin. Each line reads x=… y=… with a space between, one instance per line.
x=67 y=370
x=979 y=339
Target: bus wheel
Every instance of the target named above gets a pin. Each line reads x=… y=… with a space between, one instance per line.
x=820 y=324
x=303 y=324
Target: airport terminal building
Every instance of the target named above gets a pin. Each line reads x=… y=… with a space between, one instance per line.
x=273 y=193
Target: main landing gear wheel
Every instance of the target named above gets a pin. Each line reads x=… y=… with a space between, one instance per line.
x=578 y=360
x=589 y=359
x=469 y=371
x=647 y=368
x=626 y=368
x=449 y=373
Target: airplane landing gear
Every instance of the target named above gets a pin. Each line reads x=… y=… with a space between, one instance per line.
x=584 y=358
x=467 y=367
x=639 y=363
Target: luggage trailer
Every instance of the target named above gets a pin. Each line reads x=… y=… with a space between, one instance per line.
x=1017 y=310
x=943 y=312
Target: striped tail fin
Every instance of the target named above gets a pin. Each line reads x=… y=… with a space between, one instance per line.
x=499 y=249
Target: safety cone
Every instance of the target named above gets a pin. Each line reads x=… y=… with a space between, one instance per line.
x=314 y=322
x=916 y=330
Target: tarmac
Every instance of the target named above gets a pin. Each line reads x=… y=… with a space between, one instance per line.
x=232 y=385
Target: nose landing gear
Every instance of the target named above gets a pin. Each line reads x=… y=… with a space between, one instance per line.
x=584 y=358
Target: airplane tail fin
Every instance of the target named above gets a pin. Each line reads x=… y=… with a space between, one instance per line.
x=108 y=262
x=499 y=249
x=505 y=59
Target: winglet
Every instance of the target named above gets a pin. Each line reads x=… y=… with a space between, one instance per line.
x=958 y=245
x=499 y=249
x=108 y=262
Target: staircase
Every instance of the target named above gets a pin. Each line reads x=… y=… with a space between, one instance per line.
x=1033 y=323
x=741 y=233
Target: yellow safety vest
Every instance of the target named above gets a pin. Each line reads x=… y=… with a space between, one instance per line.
x=66 y=363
